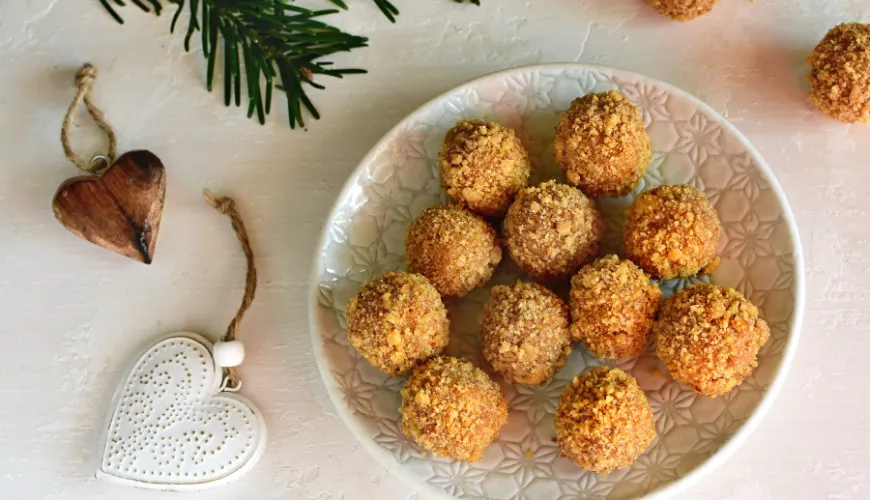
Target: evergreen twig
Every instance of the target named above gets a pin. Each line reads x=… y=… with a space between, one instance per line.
x=267 y=40
x=262 y=41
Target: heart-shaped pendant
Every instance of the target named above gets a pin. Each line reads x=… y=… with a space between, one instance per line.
x=174 y=427
x=119 y=210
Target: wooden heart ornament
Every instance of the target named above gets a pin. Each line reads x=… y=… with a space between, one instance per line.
x=174 y=427
x=119 y=210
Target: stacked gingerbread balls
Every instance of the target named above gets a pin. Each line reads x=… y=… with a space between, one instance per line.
x=707 y=336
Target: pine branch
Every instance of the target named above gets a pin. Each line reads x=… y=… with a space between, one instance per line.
x=262 y=42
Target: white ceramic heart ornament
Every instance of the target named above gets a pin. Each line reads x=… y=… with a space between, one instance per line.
x=174 y=427
x=178 y=423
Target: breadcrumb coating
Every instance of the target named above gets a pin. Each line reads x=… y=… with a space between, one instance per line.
x=682 y=10
x=602 y=145
x=455 y=249
x=525 y=332
x=672 y=231
x=551 y=230
x=840 y=73
x=397 y=321
x=452 y=408
x=483 y=165
x=604 y=421
x=613 y=304
x=708 y=337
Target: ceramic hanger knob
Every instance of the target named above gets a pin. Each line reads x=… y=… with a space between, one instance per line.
x=229 y=354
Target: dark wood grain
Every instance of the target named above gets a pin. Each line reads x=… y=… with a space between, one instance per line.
x=119 y=210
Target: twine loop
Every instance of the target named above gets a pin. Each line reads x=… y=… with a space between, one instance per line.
x=85 y=79
x=86 y=76
x=227 y=207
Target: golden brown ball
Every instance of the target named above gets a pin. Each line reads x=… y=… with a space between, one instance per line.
x=604 y=421
x=613 y=304
x=840 y=73
x=525 y=332
x=709 y=336
x=397 y=321
x=483 y=165
x=682 y=10
x=672 y=231
x=452 y=408
x=551 y=230
x=455 y=249
x=602 y=145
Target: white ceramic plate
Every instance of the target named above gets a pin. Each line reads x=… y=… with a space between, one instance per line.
x=691 y=144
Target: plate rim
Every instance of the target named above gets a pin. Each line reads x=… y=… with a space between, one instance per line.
x=745 y=430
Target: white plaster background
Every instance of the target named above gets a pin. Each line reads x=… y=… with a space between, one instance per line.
x=74 y=316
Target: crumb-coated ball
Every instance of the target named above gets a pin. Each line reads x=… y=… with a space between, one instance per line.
x=840 y=73
x=396 y=321
x=551 y=230
x=604 y=421
x=709 y=336
x=455 y=249
x=525 y=332
x=672 y=231
x=602 y=145
x=452 y=408
x=483 y=165
x=682 y=10
x=613 y=304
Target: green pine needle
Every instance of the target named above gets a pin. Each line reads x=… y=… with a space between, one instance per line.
x=263 y=42
x=388 y=9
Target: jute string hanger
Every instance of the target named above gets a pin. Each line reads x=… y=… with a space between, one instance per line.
x=84 y=83
x=227 y=206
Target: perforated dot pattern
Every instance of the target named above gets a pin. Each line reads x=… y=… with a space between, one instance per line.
x=173 y=426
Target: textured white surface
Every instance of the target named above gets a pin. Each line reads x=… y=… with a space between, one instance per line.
x=691 y=144
x=74 y=315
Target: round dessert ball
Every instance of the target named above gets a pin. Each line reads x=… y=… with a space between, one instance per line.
x=602 y=145
x=455 y=249
x=452 y=408
x=525 y=332
x=483 y=165
x=396 y=321
x=840 y=73
x=604 y=421
x=682 y=10
x=613 y=304
x=551 y=230
x=672 y=231
x=709 y=336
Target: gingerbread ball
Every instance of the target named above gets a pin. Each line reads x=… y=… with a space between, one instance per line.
x=483 y=165
x=840 y=73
